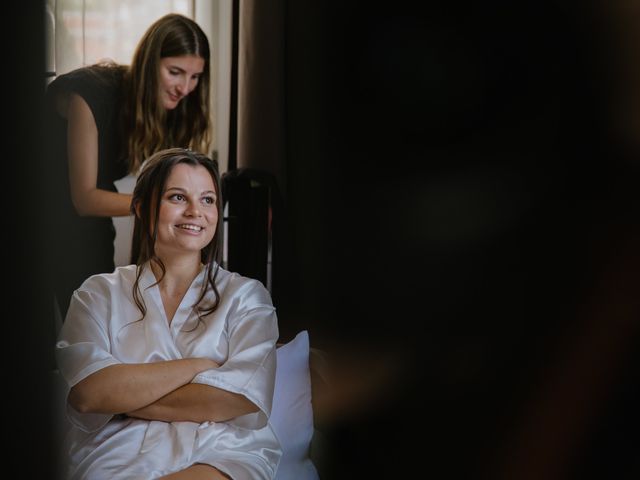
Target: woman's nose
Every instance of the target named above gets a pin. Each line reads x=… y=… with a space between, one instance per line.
x=183 y=86
x=193 y=210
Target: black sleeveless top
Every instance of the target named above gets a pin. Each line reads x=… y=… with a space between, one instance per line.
x=82 y=246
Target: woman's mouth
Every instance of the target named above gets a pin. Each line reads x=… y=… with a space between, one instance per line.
x=191 y=227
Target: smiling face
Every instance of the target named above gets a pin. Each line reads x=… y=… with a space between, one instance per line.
x=188 y=212
x=178 y=77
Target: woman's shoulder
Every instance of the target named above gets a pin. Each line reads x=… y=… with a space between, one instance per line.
x=230 y=278
x=233 y=284
x=101 y=77
x=103 y=282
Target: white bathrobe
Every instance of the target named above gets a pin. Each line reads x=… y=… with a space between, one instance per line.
x=102 y=328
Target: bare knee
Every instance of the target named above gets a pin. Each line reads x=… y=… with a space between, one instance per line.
x=199 y=471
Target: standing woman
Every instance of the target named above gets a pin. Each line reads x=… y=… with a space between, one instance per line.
x=102 y=121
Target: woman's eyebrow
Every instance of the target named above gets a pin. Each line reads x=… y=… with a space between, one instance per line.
x=206 y=192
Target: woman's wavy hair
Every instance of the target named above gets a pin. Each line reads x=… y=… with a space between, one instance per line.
x=148 y=127
x=145 y=205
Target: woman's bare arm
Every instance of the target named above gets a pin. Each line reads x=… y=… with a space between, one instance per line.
x=197 y=403
x=128 y=387
x=82 y=146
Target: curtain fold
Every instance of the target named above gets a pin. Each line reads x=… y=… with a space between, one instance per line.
x=261 y=99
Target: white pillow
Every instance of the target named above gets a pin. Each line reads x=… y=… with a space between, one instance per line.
x=292 y=413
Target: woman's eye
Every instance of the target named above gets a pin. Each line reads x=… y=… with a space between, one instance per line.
x=177 y=196
x=209 y=200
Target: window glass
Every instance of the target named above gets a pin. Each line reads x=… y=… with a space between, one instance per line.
x=89 y=31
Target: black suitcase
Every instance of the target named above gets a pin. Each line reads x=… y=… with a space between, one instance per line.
x=250 y=200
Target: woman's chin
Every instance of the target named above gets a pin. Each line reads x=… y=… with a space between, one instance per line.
x=168 y=103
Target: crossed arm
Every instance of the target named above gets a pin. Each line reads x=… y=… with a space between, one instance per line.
x=158 y=391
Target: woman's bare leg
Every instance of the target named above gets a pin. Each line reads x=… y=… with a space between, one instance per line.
x=198 y=471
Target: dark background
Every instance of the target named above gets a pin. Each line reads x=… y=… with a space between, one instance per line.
x=463 y=230
x=466 y=224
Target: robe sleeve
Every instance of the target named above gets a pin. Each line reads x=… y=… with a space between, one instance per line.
x=83 y=348
x=251 y=364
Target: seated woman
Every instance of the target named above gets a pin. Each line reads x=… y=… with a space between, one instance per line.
x=171 y=362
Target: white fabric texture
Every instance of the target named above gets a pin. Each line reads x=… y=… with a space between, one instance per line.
x=292 y=412
x=123 y=225
x=102 y=329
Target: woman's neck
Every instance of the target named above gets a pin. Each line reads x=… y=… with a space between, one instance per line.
x=178 y=277
x=179 y=273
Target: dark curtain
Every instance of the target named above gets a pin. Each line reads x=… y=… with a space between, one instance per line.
x=259 y=189
x=261 y=87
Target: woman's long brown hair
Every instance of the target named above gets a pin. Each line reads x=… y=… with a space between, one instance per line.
x=148 y=126
x=145 y=205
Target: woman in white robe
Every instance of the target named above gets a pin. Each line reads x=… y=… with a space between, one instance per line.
x=171 y=362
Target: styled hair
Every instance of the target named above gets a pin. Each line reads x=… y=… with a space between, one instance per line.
x=148 y=126
x=145 y=205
